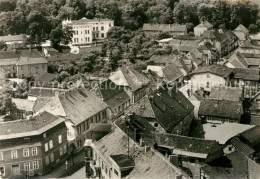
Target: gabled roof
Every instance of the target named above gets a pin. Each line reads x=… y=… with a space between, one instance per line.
x=241 y=146
x=23 y=128
x=149 y=164
x=219 y=70
x=226 y=93
x=165 y=27
x=242 y=28
x=129 y=78
x=193 y=147
x=23 y=104
x=159 y=59
x=246 y=74
x=221 y=108
x=237 y=60
x=168 y=110
x=172 y=72
x=252 y=136
x=111 y=93
x=9 y=55
x=234 y=165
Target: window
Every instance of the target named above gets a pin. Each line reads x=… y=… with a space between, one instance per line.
x=208 y=75
x=102 y=165
x=51 y=144
x=102 y=27
x=26 y=152
x=207 y=85
x=96 y=28
x=102 y=35
x=93 y=28
x=86 y=39
x=47 y=160
x=109 y=24
x=96 y=35
x=79 y=129
x=116 y=172
x=1 y=156
x=2 y=171
x=14 y=154
x=106 y=169
x=230 y=148
x=26 y=166
x=60 y=139
x=35 y=165
x=64 y=149
x=34 y=151
x=61 y=151
x=22 y=67
x=46 y=147
x=155 y=124
x=52 y=157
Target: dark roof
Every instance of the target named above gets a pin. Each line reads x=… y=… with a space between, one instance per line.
x=242 y=147
x=219 y=70
x=189 y=144
x=226 y=93
x=99 y=127
x=220 y=108
x=165 y=27
x=169 y=110
x=34 y=126
x=252 y=135
x=64 y=57
x=123 y=161
x=246 y=74
x=9 y=54
x=159 y=59
x=44 y=80
x=255 y=120
x=233 y=165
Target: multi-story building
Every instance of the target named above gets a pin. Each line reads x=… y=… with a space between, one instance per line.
x=8 y=61
x=172 y=29
x=88 y=30
x=32 y=147
x=80 y=107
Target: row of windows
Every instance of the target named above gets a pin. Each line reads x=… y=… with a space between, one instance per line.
x=49 y=145
x=95 y=119
x=50 y=158
x=36 y=66
x=26 y=153
x=28 y=166
x=122 y=107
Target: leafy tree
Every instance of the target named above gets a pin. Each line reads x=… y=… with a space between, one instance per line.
x=2 y=45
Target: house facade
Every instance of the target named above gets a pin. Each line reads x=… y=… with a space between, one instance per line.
x=32 y=149
x=86 y=31
x=207 y=77
x=202 y=27
x=8 y=61
x=173 y=29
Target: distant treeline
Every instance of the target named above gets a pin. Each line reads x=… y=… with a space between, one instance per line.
x=39 y=18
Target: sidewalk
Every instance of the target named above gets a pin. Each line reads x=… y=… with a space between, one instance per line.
x=61 y=170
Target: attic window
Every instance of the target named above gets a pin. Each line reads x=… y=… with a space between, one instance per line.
x=155 y=124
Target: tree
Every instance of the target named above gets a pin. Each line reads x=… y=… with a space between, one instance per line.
x=61 y=35
x=253 y=28
x=63 y=75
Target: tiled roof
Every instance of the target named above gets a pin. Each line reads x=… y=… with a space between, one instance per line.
x=228 y=93
x=240 y=35
x=233 y=165
x=10 y=38
x=159 y=59
x=165 y=27
x=64 y=57
x=255 y=120
x=246 y=74
x=80 y=104
x=40 y=102
x=252 y=136
x=30 y=61
x=129 y=77
x=238 y=60
x=147 y=165
x=9 y=55
x=168 y=110
x=172 y=72
x=99 y=127
x=44 y=80
x=189 y=144
x=219 y=70
x=242 y=147
x=242 y=28
x=23 y=104
x=221 y=108
x=36 y=126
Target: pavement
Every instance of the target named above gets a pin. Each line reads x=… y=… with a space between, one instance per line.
x=61 y=170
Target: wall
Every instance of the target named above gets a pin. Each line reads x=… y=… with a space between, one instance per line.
x=198 y=31
x=199 y=81
x=24 y=71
